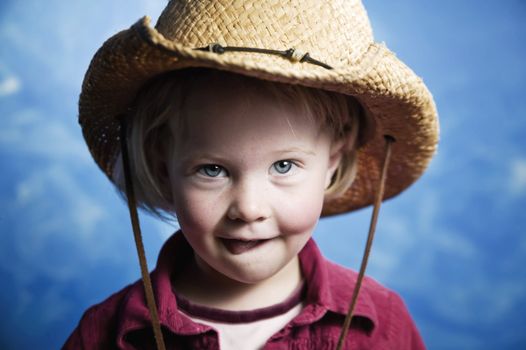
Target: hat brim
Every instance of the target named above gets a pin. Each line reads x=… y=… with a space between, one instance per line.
x=394 y=97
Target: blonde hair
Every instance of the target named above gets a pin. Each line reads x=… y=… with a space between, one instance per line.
x=156 y=124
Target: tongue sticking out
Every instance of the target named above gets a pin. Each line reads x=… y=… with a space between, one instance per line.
x=236 y=246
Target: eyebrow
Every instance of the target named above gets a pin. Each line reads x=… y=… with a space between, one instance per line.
x=296 y=150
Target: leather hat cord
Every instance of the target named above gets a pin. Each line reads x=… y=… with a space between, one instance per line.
x=132 y=206
x=370 y=237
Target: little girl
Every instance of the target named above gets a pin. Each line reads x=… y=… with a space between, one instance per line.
x=247 y=121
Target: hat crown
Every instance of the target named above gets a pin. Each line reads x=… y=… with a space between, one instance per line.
x=335 y=32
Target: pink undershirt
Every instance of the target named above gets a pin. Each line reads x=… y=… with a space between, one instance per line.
x=245 y=329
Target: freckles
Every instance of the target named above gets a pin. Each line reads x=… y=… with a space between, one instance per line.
x=188 y=209
x=196 y=211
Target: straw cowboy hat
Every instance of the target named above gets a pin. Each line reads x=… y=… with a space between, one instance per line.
x=321 y=44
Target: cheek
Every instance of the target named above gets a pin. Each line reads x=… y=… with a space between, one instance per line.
x=301 y=212
x=195 y=212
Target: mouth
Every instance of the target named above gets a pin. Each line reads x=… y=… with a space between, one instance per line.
x=238 y=246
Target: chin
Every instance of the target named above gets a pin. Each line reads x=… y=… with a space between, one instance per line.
x=251 y=276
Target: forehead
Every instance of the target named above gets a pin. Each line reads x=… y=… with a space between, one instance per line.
x=228 y=114
x=238 y=105
x=240 y=90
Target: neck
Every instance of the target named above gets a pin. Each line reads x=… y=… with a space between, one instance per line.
x=210 y=288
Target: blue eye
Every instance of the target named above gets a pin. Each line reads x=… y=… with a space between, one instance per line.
x=212 y=170
x=282 y=166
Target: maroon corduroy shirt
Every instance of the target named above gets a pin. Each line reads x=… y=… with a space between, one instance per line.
x=381 y=319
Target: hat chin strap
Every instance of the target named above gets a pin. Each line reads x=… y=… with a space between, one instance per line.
x=370 y=237
x=132 y=206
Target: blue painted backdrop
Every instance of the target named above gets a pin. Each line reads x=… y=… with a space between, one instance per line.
x=453 y=245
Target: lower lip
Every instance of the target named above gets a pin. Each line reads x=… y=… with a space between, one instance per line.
x=236 y=246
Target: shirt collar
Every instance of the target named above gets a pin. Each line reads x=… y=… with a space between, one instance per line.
x=329 y=288
x=134 y=313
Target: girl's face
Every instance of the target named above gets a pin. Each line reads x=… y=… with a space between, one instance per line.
x=248 y=181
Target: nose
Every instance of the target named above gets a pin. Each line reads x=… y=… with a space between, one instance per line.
x=249 y=203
